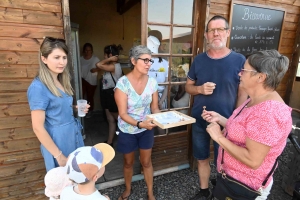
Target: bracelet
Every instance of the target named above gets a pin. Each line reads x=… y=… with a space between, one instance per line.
x=58 y=155
x=138 y=124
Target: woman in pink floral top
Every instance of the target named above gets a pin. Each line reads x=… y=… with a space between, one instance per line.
x=257 y=130
x=136 y=96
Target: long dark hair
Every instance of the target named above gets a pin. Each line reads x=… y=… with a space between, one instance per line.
x=111 y=49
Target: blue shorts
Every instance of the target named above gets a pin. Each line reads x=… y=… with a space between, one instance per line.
x=201 y=143
x=128 y=143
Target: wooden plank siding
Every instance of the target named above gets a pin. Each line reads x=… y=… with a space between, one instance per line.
x=18 y=71
x=170 y=151
x=290 y=26
x=23 y=24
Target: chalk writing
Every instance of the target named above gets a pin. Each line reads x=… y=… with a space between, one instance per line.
x=254 y=28
x=249 y=15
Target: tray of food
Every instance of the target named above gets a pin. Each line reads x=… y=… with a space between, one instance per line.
x=171 y=119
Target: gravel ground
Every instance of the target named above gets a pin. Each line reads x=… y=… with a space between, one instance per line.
x=183 y=184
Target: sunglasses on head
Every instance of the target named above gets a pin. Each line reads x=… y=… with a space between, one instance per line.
x=52 y=39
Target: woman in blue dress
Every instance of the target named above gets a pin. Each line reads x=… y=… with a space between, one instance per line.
x=51 y=104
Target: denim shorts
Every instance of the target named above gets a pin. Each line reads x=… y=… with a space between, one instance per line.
x=128 y=143
x=201 y=143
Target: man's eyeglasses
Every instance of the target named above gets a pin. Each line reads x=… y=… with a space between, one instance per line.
x=247 y=70
x=147 y=60
x=219 y=30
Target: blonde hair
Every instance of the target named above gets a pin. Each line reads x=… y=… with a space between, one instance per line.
x=44 y=74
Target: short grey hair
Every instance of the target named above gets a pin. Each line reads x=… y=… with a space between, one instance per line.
x=216 y=17
x=271 y=63
x=136 y=52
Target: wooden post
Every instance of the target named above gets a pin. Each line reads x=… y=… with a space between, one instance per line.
x=201 y=17
x=67 y=34
x=293 y=66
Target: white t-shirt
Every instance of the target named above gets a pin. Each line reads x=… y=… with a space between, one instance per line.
x=86 y=66
x=108 y=82
x=68 y=193
x=159 y=71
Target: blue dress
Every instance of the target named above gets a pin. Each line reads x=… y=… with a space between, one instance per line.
x=62 y=126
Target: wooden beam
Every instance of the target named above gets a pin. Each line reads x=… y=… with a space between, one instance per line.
x=293 y=66
x=129 y=4
x=120 y=3
x=68 y=38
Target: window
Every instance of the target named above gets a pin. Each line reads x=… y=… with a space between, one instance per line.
x=171 y=23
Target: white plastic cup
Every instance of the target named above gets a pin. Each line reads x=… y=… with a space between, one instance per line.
x=81 y=104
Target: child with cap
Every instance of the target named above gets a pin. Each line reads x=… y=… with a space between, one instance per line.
x=55 y=181
x=85 y=166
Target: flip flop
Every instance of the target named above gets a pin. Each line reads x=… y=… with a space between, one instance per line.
x=126 y=198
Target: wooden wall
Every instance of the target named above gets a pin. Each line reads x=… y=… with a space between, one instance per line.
x=23 y=24
x=169 y=151
x=290 y=25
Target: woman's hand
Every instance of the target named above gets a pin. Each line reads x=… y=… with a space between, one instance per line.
x=211 y=116
x=93 y=70
x=86 y=110
x=214 y=131
x=147 y=124
x=113 y=58
x=61 y=160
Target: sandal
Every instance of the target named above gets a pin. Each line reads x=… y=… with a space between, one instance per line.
x=126 y=198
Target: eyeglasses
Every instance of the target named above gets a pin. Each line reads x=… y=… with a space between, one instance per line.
x=147 y=60
x=219 y=30
x=247 y=70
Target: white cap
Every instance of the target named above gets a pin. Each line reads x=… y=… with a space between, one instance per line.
x=55 y=181
x=153 y=44
x=85 y=162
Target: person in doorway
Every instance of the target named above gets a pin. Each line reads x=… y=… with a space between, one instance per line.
x=136 y=96
x=85 y=166
x=50 y=100
x=89 y=79
x=181 y=98
x=159 y=70
x=158 y=35
x=112 y=72
x=255 y=134
x=213 y=80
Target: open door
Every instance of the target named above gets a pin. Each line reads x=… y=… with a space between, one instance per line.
x=177 y=33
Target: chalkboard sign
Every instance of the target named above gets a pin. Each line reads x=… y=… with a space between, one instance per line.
x=254 y=27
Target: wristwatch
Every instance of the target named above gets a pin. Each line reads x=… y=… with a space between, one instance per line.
x=138 y=124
